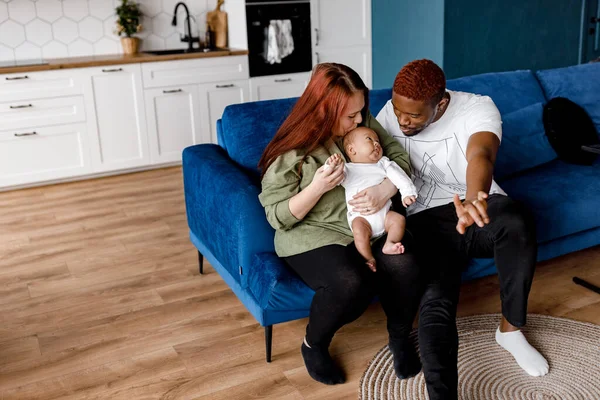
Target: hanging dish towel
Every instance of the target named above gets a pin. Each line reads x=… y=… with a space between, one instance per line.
x=280 y=42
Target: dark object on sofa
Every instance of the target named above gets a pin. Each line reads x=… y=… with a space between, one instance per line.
x=570 y=131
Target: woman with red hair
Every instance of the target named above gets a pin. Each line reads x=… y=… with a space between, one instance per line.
x=307 y=208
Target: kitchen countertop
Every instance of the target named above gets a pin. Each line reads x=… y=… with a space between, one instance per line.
x=97 y=61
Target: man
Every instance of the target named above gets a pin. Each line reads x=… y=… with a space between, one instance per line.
x=452 y=139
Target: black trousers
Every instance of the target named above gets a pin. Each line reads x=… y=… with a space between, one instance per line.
x=344 y=287
x=509 y=238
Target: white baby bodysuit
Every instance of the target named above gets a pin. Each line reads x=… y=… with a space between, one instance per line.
x=359 y=176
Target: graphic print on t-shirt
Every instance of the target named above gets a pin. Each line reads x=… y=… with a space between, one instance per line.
x=434 y=177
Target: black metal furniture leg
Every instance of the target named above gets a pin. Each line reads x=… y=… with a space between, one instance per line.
x=586 y=284
x=268 y=341
x=200 y=263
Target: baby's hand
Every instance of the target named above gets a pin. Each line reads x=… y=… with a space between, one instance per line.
x=408 y=200
x=333 y=161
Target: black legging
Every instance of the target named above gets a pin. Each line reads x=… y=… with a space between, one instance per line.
x=344 y=286
x=509 y=238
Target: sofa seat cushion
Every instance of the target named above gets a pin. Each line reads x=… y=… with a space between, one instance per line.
x=247 y=128
x=524 y=142
x=579 y=83
x=562 y=197
x=275 y=286
x=510 y=91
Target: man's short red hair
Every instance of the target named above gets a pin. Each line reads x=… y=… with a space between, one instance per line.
x=421 y=80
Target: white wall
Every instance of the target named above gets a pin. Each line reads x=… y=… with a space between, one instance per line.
x=71 y=28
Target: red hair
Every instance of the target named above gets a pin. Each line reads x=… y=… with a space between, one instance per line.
x=316 y=113
x=421 y=80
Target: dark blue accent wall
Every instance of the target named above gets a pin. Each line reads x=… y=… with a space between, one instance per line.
x=468 y=37
x=402 y=31
x=504 y=35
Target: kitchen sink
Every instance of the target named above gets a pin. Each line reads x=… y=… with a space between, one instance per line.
x=181 y=51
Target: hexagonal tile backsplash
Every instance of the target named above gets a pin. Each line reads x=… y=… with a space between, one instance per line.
x=74 y=28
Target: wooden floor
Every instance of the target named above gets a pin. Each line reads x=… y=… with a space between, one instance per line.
x=100 y=298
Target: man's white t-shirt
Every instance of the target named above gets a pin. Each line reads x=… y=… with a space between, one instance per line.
x=438 y=153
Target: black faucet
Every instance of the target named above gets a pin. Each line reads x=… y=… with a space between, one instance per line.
x=189 y=38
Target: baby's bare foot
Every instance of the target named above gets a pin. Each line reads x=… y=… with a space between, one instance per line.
x=372 y=264
x=393 y=248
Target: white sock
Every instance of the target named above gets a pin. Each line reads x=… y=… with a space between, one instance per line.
x=526 y=356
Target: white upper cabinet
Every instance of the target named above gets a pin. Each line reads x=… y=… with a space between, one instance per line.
x=342 y=34
x=214 y=97
x=341 y=23
x=173 y=122
x=117 y=123
x=278 y=86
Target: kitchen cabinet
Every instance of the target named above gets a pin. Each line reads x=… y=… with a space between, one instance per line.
x=65 y=124
x=278 y=86
x=29 y=155
x=342 y=34
x=174 y=121
x=117 y=121
x=358 y=58
x=341 y=23
x=214 y=97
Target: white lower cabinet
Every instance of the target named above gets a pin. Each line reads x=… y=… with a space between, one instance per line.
x=118 y=121
x=358 y=58
x=214 y=97
x=43 y=153
x=173 y=122
x=278 y=87
x=103 y=120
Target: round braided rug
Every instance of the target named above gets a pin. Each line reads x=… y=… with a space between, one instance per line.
x=488 y=372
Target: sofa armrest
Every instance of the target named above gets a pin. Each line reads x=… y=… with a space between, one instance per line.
x=223 y=210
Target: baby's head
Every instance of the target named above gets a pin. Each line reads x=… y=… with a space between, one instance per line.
x=362 y=146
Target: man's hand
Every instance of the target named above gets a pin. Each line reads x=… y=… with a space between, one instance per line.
x=471 y=211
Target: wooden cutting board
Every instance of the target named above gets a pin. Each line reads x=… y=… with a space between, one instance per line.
x=217 y=22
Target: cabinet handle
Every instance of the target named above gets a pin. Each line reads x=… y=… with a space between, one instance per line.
x=16 y=78
x=172 y=91
x=225 y=86
x=283 y=80
x=317 y=55
x=25 y=134
x=22 y=106
x=113 y=70
x=316 y=36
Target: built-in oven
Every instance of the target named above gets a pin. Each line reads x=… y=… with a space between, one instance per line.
x=279 y=36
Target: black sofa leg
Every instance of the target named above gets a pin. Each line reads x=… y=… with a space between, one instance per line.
x=586 y=284
x=200 y=263
x=268 y=341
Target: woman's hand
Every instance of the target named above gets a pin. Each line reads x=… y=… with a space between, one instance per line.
x=373 y=198
x=328 y=176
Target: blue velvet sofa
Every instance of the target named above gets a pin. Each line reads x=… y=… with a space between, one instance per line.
x=228 y=226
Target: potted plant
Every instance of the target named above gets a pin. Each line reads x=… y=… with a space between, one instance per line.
x=128 y=23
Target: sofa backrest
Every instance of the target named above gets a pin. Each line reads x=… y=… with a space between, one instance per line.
x=511 y=91
x=579 y=83
x=246 y=129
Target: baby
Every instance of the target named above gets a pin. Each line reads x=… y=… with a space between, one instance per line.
x=368 y=167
